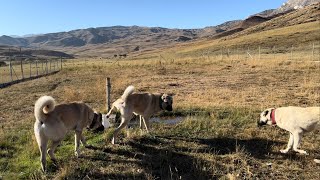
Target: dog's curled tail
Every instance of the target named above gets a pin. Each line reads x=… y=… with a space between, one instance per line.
x=43 y=106
x=127 y=92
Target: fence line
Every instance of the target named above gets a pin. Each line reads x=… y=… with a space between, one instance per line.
x=19 y=70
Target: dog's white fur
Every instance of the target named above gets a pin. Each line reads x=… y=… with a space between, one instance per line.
x=54 y=121
x=296 y=120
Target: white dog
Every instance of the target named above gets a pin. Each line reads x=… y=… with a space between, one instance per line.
x=296 y=120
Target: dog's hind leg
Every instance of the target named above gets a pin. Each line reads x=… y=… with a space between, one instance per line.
x=52 y=149
x=77 y=138
x=83 y=141
x=140 y=124
x=43 y=149
x=146 y=123
x=290 y=144
x=124 y=123
x=42 y=144
x=296 y=142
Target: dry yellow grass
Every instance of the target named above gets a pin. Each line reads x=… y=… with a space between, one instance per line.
x=220 y=87
x=223 y=142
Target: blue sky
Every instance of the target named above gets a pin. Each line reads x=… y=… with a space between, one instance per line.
x=21 y=17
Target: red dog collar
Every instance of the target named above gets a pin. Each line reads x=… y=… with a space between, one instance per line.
x=273 y=114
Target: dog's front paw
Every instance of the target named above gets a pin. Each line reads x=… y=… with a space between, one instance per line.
x=54 y=161
x=301 y=151
x=284 y=151
x=88 y=146
x=113 y=141
x=77 y=154
x=317 y=161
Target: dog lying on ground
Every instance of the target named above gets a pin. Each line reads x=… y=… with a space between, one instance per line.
x=296 y=120
x=143 y=104
x=54 y=121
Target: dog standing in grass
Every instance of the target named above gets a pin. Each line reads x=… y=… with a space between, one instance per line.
x=143 y=104
x=296 y=120
x=54 y=121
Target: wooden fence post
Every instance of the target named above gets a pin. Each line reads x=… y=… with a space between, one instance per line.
x=10 y=66
x=108 y=92
x=37 y=67
x=46 y=66
x=21 y=69
x=30 y=69
x=49 y=65
x=60 y=63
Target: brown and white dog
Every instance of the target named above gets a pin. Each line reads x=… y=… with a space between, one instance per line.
x=54 y=121
x=296 y=120
x=143 y=104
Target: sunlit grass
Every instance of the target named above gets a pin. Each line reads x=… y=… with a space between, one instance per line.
x=220 y=98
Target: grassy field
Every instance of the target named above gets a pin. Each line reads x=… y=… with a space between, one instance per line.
x=220 y=93
x=221 y=100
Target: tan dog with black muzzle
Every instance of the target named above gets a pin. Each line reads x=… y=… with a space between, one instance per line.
x=143 y=104
x=54 y=121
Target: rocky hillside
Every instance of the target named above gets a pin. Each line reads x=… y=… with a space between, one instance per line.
x=293 y=5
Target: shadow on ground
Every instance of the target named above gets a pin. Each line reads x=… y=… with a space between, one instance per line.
x=160 y=158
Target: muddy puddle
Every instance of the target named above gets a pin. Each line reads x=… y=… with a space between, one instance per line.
x=135 y=121
x=162 y=120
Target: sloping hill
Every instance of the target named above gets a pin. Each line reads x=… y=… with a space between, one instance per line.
x=299 y=28
x=27 y=53
x=11 y=41
x=309 y=14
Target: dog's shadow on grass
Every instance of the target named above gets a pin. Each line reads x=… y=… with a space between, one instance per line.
x=160 y=156
x=257 y=147
x=178 y=157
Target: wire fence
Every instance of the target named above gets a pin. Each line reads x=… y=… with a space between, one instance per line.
x=295 y=53
x=18 y=70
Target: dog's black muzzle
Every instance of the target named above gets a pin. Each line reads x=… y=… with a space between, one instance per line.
x=261 y=123
x=169 y=108
x=97 y=121
x=99 y=129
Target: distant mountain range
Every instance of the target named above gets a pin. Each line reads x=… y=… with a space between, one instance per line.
x=107 y=41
